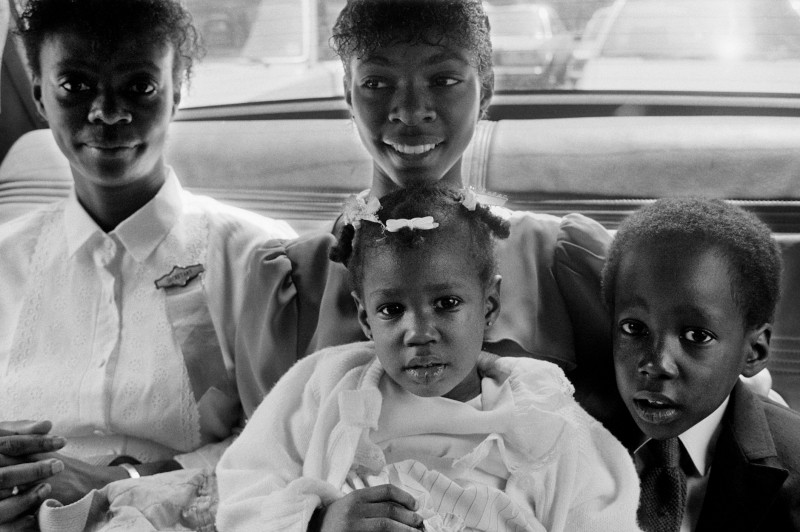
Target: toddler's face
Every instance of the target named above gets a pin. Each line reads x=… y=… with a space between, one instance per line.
x=679 y=337
x=415 y=107
x=427 y=310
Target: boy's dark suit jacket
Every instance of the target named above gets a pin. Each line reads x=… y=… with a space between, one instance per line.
x=755 y=475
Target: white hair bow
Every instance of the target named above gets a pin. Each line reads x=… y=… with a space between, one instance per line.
x=361 y=207
x=423 y=223
x=471 y=198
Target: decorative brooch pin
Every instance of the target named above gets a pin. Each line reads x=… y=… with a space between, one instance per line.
x=179 y=276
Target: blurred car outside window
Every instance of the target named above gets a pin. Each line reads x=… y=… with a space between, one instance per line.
x=530 y=46
x=745 y=46
x=277 y=50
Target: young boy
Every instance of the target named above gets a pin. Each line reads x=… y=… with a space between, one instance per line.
x=120 y=302
x=692 y=285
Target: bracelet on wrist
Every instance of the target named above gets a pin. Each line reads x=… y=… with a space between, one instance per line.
x=131 y=470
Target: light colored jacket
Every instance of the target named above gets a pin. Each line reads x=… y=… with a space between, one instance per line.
x=314 y=428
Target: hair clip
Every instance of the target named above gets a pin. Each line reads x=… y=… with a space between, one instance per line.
x=422 y=224
x=471 y=198
x=358 y=207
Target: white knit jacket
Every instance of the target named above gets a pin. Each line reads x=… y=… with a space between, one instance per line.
x=313 y=427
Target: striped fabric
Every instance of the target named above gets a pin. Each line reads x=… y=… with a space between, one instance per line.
x=447 y=506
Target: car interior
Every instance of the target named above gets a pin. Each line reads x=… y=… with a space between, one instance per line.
x=554 y=150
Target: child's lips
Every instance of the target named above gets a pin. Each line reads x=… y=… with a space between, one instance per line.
x=655 y=408
x=424 y=370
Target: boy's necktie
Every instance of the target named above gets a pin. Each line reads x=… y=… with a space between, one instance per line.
x=663 y=483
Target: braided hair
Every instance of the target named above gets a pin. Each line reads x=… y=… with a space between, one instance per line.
x=459 y=228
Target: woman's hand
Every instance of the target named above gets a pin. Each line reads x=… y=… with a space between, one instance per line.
x=78 y=478
x=383 y=508
x=22 y=475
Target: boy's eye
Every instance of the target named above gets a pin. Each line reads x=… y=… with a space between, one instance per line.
x=633 y=328
x=373 y=83
x=143 y=88
x=447 y=303
x=698 y=336
x=75 y=86
x=390 y=310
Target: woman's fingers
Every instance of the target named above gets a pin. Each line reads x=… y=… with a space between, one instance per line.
x=25 y=444
x=29 y=473
x=27 y=426
x=13 y=509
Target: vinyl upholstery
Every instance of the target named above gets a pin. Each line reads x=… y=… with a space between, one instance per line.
x=301 y=171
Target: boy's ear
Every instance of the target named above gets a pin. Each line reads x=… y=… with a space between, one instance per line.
x=37 y=96
x=362 y=316
x=757 y=350
x=492 y=302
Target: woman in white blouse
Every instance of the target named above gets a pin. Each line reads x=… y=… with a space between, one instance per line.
x=119 y=303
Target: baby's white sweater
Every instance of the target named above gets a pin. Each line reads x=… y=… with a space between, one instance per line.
x=314 y=427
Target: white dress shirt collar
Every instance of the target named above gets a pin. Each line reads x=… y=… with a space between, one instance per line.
x=140 y=233
x=700 y=440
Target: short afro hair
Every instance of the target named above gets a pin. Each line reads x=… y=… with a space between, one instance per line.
x=363 y=26
x=459 y=228
x=696 y=224
x=108 y=22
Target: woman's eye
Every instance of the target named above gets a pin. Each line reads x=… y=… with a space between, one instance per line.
x=445 y=81
x=633 y=328
x=372 y=83
x=390 y=311
x=143 y=88
x=447 y=303
x=698 y=336
x=75 y=86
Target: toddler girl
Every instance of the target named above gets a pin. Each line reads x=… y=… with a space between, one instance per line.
x=403 y=431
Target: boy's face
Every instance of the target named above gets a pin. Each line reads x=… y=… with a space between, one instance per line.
x=415 y=107
x=108 y=110
x=427 y=311
x=680 y=342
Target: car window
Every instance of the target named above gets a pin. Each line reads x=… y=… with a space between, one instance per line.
x=277 y=50
x=521 y=22
x=705 y=30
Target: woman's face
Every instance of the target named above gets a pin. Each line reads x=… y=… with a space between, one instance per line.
x=109 y=110
x=415 y=107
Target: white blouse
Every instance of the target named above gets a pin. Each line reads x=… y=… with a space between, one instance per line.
x=91 y=343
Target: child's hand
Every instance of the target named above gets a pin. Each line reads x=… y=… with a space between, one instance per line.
x=384 y=507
